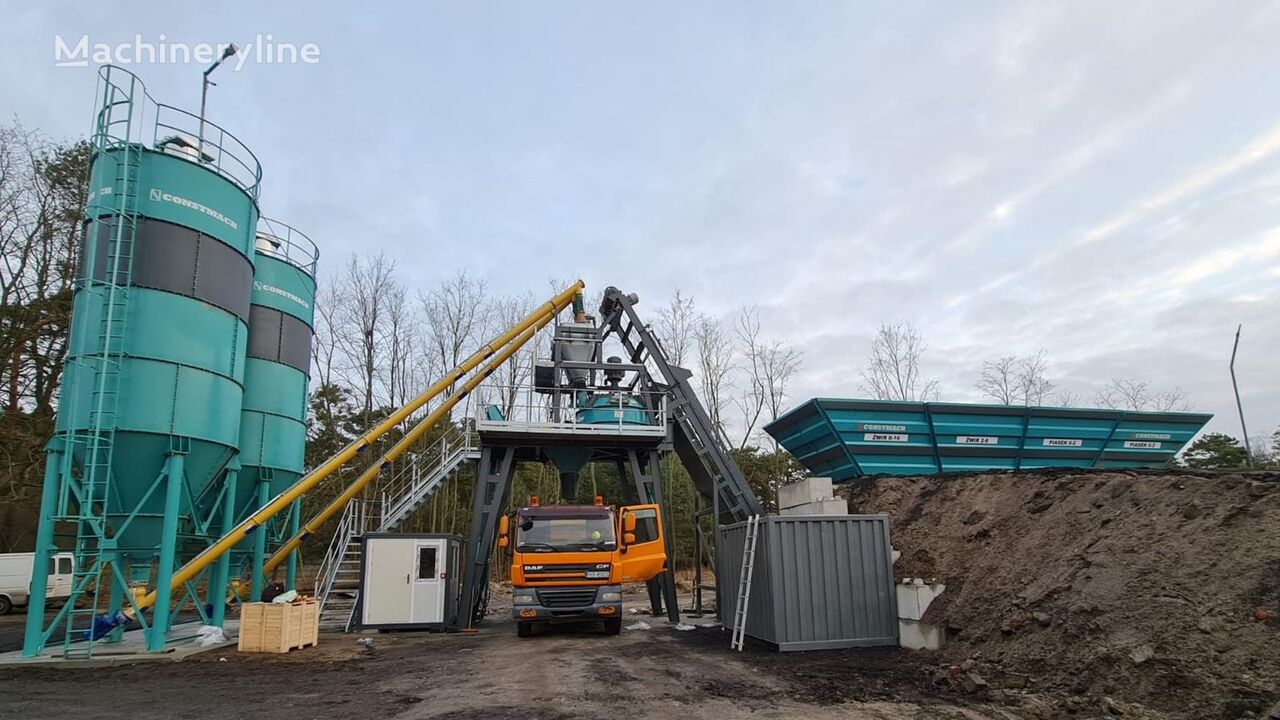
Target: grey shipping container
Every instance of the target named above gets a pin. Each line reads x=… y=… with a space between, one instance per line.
x=819 y=582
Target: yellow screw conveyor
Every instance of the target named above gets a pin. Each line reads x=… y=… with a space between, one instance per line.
x=500 y=349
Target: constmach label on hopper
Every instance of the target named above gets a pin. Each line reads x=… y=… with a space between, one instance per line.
x=885 y=437
x=977 y=440
x=1062 y=442
x=1142 y=445
x=158 y=195
x=882 y=428
x=1152 y=436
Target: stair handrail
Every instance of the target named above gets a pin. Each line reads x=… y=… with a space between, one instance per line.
x=423 y=469
x=429 y=481
x=327 y=573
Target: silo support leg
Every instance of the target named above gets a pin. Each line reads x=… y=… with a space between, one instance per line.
x=295 y=524
x=33 y=643
x=168 y=552
x=217 y=590
x=114 y=607
x=260 y=544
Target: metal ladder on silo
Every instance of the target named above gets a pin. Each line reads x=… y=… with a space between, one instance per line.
x=99 y=438
x=738 y=639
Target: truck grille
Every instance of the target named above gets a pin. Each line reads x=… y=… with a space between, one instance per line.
x=567 y=598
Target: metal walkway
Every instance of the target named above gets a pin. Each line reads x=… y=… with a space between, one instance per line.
x=338 y=579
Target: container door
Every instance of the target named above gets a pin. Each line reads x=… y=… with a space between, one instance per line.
x=643 y=559
x=428 y=583
x=387 y=591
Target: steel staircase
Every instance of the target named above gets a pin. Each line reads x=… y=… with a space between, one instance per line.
x=338 y=580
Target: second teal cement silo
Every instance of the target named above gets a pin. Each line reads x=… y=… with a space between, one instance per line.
x=273 y=429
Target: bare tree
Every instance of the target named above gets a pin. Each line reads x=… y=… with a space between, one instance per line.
x=508 y=311
x=751 y=401
x=1133 y=394
x=999 y=380
x=1033 y=381
x=1013 y=380
x=400 y=345
x=715 y=361
x=366 y=290
x=1066 y=398
x=893 y=367
x=675 y=327
x=455 y=314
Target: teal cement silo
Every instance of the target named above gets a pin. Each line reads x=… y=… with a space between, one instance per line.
x=273 y=430
x=150 y=408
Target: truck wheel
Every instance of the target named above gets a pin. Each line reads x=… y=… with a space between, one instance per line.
x=613 y=627
x=524 y=629
x=5 y=605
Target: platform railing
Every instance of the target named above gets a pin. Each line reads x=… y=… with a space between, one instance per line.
x=572 y=411
x=129 y=115
x=285 y=242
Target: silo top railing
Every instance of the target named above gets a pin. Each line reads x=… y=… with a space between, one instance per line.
x=287 y=243
x=127 y=114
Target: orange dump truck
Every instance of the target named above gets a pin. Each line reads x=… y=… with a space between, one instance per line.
x=568 y=562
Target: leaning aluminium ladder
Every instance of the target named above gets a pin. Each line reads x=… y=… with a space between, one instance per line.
x=743 y=600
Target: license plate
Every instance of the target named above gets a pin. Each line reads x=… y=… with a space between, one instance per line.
x=597 y=574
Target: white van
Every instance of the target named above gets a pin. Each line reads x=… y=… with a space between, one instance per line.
x=15 y=578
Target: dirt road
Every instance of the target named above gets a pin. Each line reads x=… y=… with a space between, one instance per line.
x=572 y=673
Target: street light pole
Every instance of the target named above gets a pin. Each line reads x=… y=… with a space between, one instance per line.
x=204 y=96
x=1248 y=450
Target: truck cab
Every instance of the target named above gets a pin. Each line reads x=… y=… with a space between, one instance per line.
x=568 y=562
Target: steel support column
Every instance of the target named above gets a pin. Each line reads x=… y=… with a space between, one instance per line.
x=492 y=490
x=217 y=591
x=160 y=618
x=646 y=475
x=260 y=543
x=33 y=642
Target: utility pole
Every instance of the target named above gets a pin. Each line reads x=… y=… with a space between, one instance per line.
x=204 y=95
x=1240 y=408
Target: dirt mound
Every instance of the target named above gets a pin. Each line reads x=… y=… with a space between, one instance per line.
x=1151 y=594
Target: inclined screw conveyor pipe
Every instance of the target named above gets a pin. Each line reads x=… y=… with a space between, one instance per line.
x=403 y=445
x=500 y=346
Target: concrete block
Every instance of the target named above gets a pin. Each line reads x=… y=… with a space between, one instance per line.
x=915 y=635
x=808 y=490
x=915 y=596
x=832 y=506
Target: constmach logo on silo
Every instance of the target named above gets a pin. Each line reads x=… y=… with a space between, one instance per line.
x=158 y=195
x=259 y=285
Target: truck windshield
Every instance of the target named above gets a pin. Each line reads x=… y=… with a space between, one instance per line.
x=558 y=534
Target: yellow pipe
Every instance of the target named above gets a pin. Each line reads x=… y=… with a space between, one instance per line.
x=543 y=314
x=401 y=447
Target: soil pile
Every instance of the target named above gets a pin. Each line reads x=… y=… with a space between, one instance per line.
x=1150 y=594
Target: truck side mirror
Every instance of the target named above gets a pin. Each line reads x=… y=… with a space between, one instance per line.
x=502 y=541
x=629 y=523
x=628 y=538
x=504 y=527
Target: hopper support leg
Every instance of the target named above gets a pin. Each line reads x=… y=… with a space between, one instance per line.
x=175 y=473
x=260 y=543
x=33 y=642
x=217 y=590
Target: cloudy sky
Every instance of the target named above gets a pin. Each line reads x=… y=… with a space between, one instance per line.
x=1098 y=179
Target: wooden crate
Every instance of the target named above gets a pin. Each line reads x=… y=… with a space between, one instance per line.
x=278 y=628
